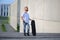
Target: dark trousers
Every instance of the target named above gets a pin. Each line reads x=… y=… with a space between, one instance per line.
x=26 y=25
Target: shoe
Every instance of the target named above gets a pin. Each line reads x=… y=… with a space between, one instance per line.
x=28 y=34
x=24 y=34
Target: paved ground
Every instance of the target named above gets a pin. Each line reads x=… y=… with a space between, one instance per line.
x=8 y=28
x=0 y=29
x=35 y=39
x=20 y=36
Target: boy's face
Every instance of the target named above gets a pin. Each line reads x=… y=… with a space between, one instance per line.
x=26 y=9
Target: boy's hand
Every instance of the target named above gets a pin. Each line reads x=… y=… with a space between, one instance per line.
x=30 y=19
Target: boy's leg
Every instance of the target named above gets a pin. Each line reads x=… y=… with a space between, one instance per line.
x=28 y=29
x=25 y=29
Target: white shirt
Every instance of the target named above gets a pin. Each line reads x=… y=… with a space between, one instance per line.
x=26 y=17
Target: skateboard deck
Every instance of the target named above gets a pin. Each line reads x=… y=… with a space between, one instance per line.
x=33 y=27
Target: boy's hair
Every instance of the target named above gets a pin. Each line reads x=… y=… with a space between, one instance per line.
x=27 y=8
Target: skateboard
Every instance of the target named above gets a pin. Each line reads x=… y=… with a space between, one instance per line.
x=33 y=27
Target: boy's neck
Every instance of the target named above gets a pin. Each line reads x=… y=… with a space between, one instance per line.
x=25 y=11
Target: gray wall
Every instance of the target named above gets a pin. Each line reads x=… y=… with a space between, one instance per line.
x=13 y=15
x=46 y=13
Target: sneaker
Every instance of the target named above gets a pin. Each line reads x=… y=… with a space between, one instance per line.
x=24 y=34
x=28 y=34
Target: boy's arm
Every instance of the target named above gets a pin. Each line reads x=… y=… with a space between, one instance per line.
x=22 y=17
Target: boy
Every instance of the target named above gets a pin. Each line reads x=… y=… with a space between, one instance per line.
x=26 y=18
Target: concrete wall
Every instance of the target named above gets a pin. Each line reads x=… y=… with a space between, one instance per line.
x=13 y=14
x=46 y=13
